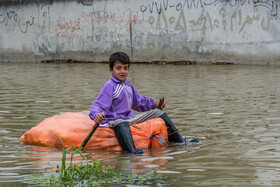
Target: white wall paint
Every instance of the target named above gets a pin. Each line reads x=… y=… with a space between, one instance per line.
x=238 y=31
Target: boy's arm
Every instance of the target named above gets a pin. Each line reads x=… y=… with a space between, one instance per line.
x=103 y=101
x=142 y=103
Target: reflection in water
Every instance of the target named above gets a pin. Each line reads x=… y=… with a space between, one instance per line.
x=232 y=110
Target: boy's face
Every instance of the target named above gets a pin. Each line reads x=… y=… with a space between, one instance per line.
x=120 y=71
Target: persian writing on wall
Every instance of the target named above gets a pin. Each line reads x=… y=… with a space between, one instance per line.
x=187 y=15
x=16 y=19
x=239 y=17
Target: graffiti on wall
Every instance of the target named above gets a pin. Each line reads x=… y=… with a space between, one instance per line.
x=69 y=28
x=269 y=6
x=158 y=11
x=126 y=16
x=12 y=18
x=15 y=19
x=206 y=21
x=153 y=12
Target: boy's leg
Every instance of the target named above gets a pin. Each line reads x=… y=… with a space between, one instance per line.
x=155 y=113
x=123 y=132
x=124 y=137
x=173 y=134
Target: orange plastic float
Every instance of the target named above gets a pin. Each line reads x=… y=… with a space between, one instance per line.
x=73 y=127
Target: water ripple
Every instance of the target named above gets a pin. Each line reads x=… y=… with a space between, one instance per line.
x=232 y=110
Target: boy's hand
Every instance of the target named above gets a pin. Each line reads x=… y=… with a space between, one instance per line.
x=99 y=118
x=161 y=104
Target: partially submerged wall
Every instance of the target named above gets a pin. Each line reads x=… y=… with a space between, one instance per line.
x=235 y=31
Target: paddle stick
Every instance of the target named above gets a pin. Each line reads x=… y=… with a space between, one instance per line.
x=89 y=135
x=161 y=101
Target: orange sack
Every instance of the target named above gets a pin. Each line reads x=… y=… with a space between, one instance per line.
x=73 y=127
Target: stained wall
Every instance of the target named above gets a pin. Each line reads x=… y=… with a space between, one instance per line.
x=201 y=31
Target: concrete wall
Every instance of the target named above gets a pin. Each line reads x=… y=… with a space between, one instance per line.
x=236 y=31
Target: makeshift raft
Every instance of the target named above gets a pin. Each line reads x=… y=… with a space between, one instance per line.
x=73 y=127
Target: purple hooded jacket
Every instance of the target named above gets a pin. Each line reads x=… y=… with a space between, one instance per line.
x=116 y=98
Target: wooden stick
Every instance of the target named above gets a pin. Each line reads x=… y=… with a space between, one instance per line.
x=89 y=135
x=161 y=101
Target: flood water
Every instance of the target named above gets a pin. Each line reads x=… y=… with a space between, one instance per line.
x=233 y=110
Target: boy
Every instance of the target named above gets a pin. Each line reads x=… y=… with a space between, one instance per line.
x=117 y=96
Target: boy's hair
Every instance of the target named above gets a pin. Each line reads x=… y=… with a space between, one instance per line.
x=119 y=56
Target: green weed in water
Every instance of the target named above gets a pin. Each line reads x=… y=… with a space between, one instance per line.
x=91 y=174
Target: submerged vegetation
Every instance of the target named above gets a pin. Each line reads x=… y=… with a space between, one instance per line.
x=91 y=174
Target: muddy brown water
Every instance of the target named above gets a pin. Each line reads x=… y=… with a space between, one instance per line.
x=233 y=110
